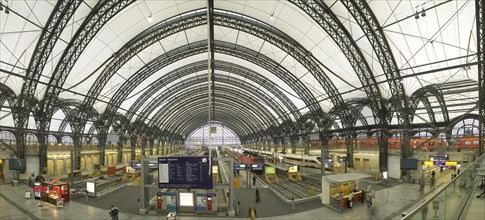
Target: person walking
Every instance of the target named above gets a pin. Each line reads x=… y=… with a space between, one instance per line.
x=351 y=199
x=113 y=212
x=252 y=212
x=257 y=195
x=368 y=199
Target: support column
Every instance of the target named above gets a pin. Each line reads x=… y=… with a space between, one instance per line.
x=102 y=148
x=133 y=147
x=323 y=151
x=120 y=150
x=293 y=142
x=151 y=142
x=480 y=26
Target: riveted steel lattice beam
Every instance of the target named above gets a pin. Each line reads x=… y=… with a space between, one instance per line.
x=187 y=98
x=324 y=16
x=231 y=111
x=148 y=38
x=175 y=120
x=200 y=47
x=368 y=22
x=197 y=120
x=422 y=94
x=190 y=82
x=99 y=16
x=480 y=15
x=199 y=66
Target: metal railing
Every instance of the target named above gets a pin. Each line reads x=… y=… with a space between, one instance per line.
x=450 y=199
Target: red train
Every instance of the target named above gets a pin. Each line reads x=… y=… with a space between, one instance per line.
x=427 y=144
x=246 y=157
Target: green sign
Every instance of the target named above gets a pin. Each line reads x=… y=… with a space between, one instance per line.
x=269 y=170
x=213 y=130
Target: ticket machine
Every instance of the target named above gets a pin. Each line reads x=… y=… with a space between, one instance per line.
x=206 y=202
x=166 y=202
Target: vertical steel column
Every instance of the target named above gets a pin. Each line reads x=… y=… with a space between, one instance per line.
x=480 y=15
x=210 y=67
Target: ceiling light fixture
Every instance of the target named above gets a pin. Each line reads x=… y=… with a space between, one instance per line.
x=423 y=13
x=271 y=16
x=150 y=18
x=417 y=15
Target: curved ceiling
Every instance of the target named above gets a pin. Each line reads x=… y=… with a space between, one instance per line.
x=274 y=62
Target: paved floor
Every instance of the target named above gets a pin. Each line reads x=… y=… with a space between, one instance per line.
x=390 y=202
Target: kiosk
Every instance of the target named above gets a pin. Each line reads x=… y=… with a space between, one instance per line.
x=336 y=188
x=56 y=194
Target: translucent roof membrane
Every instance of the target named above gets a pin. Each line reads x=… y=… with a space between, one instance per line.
x=430 y=44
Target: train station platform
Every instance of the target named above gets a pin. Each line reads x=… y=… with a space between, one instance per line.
x=389 y=203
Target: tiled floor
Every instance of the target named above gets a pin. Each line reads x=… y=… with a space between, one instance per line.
x=389 y=204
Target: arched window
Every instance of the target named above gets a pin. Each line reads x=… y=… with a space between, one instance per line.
x=8 y=137
x=220 y=135
x=466 y=128
x=51 y=139
x=67 y=140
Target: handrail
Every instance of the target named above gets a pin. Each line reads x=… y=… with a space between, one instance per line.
x=442 y=189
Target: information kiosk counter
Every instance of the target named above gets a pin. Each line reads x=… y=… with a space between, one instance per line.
x=56 y=194
x=336 y=189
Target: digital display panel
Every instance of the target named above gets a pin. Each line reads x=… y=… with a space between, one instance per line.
x=409 y=164
x=269 y=170
x=239 y=166
x=91 y=187
x=186 y=199
x=184 y=172
x=257 y=166
x=293 y=169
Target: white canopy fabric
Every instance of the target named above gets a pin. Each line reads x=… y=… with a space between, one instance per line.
x=433 y=44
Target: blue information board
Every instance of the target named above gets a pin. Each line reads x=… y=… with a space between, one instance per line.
x=239 y=166
x=257 y=166
x=184 y=172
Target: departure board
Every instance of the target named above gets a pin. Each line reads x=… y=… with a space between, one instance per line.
x=184 y=172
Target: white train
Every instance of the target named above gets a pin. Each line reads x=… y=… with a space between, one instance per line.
x=297 y=159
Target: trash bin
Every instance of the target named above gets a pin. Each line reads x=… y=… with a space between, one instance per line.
x=15 y=183
x=60 y=202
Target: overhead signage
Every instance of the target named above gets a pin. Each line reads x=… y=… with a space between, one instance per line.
x=269 y=170
x=257 y=166
x=239 y=166
x=293 y=169
x=137 y=165
x=184 y=172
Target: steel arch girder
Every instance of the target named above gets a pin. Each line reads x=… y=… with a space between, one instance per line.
x=290 y=46
x=265 y=115
x=248 y=118
x=189 y=50
x=243 y=127
x=437 y=93
x=228 y=105
x=58 y=19
x=197 y=120
x=480 y=27
x=197 y=80
x=96 y=19
x=220 y=65
x=195 y=21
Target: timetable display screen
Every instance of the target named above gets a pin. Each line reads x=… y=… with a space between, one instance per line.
x=184 y=172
